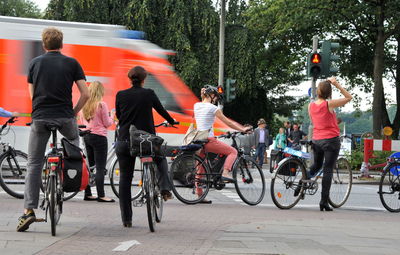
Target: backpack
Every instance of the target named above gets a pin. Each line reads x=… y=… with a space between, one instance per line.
x=74 y=167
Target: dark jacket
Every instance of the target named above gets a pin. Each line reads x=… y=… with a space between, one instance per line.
x=135 y=106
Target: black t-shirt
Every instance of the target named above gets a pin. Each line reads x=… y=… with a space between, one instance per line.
x=53 y=75
x=134 y=106
x=297 y=135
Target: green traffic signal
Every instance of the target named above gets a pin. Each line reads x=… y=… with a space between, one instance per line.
x=328 y=67
x=230 y=90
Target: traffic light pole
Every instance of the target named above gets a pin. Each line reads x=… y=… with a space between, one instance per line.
x=221 y=45
x=313 y=96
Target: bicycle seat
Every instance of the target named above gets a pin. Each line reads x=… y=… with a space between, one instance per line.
x=202 y=142
x=191 y=147
x=53 y=126
x=306 y=142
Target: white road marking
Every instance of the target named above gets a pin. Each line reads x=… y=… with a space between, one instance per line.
x=124 y=246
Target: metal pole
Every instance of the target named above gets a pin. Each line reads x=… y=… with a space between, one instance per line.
x=313 y=96
x=221 y=45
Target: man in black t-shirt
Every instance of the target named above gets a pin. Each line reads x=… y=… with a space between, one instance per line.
x=50 y=79
x=295 y=136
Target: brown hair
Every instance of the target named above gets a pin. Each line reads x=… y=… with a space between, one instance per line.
x=324 y=90
x=52 y=38
x=137 y=75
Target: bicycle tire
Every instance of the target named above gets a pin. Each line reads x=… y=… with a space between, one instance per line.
x=148 y=184
x=342 y=181
x=246 y=180
x=68 y=195
x=136 y=188
x=52 y=203
x=389 y=187
x=285 y=181
x=186 y=182
x=9 y=162
x=159 y=202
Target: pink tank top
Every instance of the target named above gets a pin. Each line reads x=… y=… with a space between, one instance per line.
x=324 y=121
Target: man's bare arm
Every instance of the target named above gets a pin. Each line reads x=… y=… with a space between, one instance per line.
x=30 y=86
x=84 y=96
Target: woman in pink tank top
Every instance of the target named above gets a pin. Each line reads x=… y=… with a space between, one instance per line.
x=325 y=137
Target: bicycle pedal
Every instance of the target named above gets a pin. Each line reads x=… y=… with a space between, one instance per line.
x=40 y=220
x=137 y=203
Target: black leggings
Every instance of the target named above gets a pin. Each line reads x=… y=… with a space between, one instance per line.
x=126 y=166
x=96 y=149
x=327 y=149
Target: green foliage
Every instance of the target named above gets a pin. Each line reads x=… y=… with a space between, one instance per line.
x=19 y=8
x=357 y=157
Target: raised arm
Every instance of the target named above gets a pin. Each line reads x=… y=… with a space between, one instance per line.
x=334 y=103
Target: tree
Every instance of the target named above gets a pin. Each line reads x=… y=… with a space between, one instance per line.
x=19 y=8
x=363 y=28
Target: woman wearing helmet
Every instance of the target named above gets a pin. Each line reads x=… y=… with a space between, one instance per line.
x=204 y=114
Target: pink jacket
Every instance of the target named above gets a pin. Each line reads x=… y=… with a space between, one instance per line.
x=100 y=122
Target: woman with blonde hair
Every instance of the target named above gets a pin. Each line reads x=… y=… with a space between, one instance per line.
x=96 y=117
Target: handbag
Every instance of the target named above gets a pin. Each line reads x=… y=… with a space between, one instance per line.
x=193 y=134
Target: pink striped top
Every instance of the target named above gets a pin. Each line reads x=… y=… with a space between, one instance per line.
x=100 y=122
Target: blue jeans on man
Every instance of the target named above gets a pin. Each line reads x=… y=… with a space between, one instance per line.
x=260 y=150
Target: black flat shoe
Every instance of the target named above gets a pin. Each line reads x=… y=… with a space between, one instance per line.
x=166 y=195
x=90 y=198
x=205 y=201
x=105 y=201
x=325 y=207
x=127 y=224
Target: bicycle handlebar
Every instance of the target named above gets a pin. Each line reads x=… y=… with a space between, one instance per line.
x=233 y=134
x=166 y=124
x=9 y=121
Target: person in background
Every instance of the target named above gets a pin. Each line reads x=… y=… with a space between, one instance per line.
x=96 y=117
x=280 y=140
x=295 y=136
x=326 y=141
x=261 y=139
x=5 y=113
x=288 y=130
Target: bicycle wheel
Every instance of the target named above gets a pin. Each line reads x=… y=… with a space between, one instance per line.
x=286 y=181
x=389 y=187
x=13 y=169
x=249 y=181
x=158 y=200
x=52 y=203
x=149 y=186
x=341 y=183
x=136 y=187
x=190 y=178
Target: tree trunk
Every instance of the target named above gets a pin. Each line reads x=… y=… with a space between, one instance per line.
x=396 y=121
x=378 y=100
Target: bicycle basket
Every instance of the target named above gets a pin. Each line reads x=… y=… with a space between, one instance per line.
x=143 y=143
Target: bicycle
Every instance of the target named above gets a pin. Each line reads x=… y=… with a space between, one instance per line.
x=53 y=193
x=191 y=173
x=389 y=185
x=150 y=193
x=13 y=166
x=289 y=182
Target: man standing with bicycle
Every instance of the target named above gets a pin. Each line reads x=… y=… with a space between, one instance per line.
x=50 y=80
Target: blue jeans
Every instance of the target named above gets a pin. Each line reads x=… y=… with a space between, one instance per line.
x=260 y=150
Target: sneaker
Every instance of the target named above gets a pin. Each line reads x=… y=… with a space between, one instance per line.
x=26 y=220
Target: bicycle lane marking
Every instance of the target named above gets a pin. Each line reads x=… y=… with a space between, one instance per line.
x=124 y=246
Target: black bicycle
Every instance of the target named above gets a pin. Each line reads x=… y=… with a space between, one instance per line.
x=389 y=185
x=192 y=176
x=289 y=182
x=13 y=165
x=149 y=193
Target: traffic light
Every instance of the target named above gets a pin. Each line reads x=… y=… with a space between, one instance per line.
x=328 y=69
x=230 y=90
x=314 y=65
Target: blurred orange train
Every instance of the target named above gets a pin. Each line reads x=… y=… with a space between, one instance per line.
x=106 y=53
